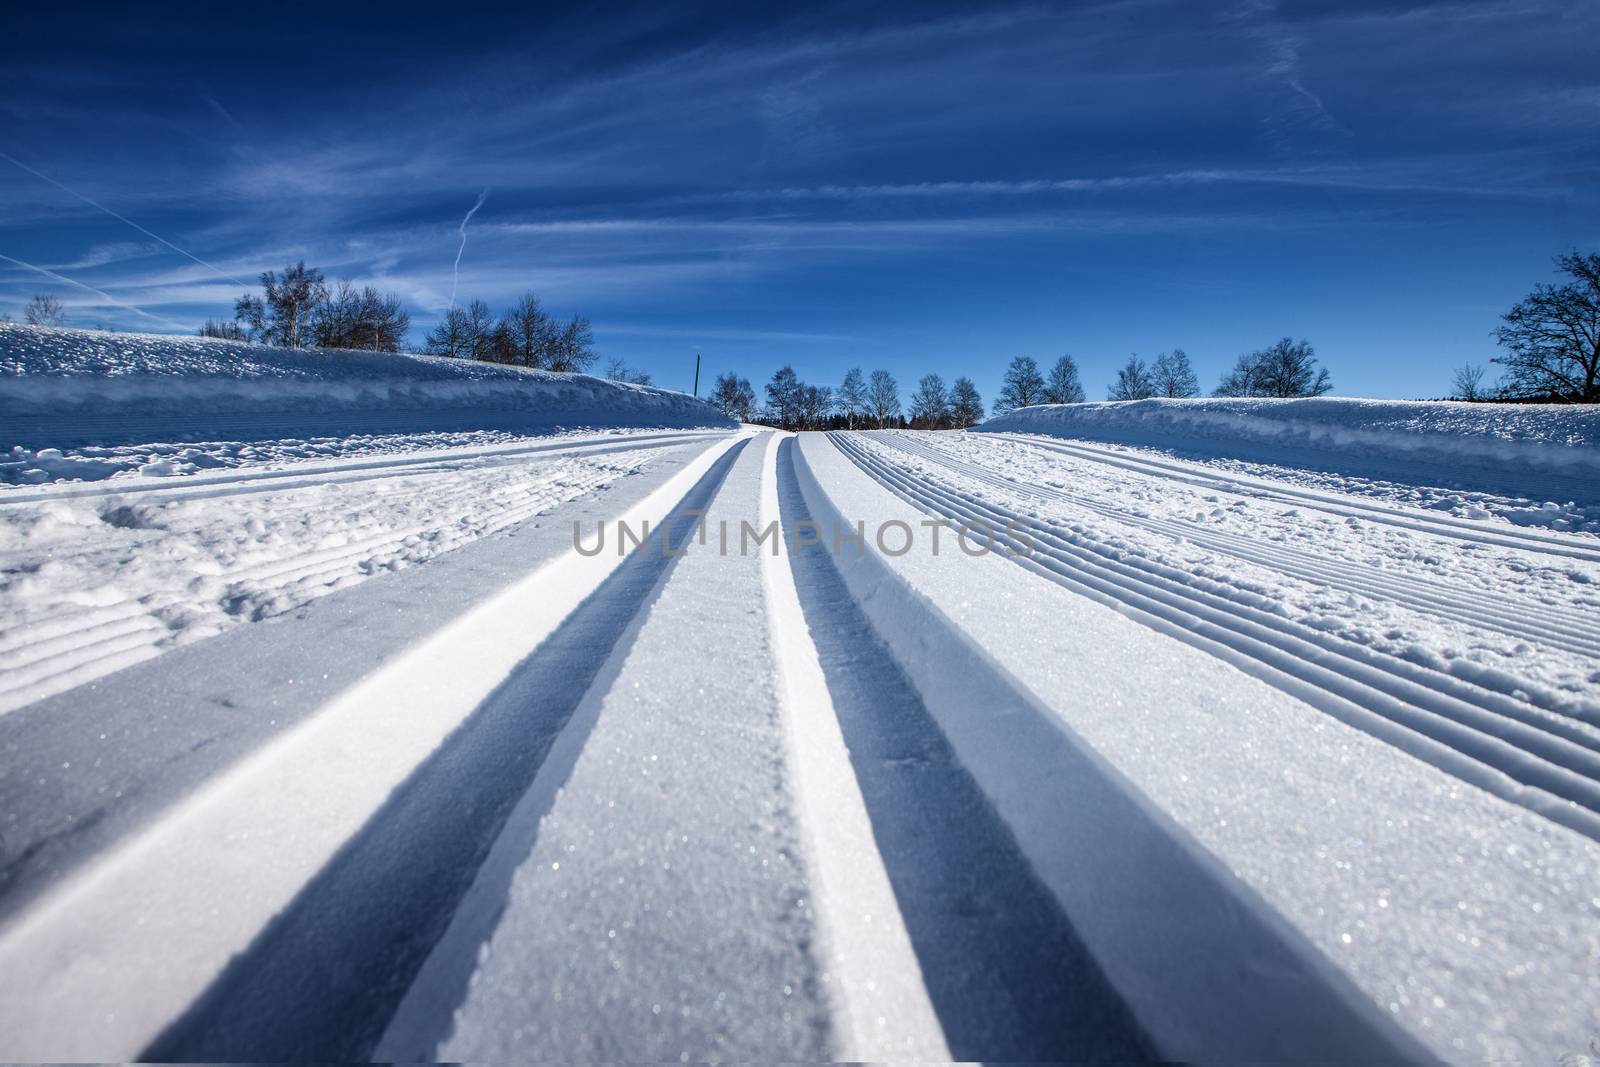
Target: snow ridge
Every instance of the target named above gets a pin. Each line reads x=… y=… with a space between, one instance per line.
x=62 y=389
x=1399 y=436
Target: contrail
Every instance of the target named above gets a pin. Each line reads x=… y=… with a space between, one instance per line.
x=455 y=273
x=123 y=219
x=98 y=292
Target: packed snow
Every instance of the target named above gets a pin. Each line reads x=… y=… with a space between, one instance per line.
x=1468 y=920
x=69 y=398
x=91 y=581
x=1530 y=463
x=1519 y=623
x=1266 y=731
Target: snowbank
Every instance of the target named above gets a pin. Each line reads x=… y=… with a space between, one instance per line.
x=1553 y=446
x=66 y=389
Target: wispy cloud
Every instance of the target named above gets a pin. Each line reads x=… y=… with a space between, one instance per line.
x=665 y=163
x=221 y=112
x=1299 y=108
x=102 y=255
x=120 y=218
x=101 y=293
x=455 y=269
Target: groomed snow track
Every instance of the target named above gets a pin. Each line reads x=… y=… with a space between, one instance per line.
x=1536 y=758
x=701 y=800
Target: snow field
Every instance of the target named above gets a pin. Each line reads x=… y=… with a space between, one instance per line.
x=1533 y=466
x=75 y=392
x=95 y=578
x=879 y=998
x=178 y=901
x=145 y=463
x=664 y=910
x=1467 y=921
x=1392 y=658
x=1237 y=764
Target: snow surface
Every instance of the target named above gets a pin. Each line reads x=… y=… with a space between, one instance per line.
x=71 y=390
x=1469 y=921
x=1282 y=744
x=203 y=881
x=1512 y=619
x=656 y=917
x=92 y=580
x=1446 y=454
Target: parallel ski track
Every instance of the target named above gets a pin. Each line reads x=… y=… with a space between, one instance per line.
x=1556 y=627
x=1541 y=761
x=56 y=652
x=313 y=474
x=1260 y=488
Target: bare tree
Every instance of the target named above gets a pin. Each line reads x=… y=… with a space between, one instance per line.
x=883 y=397
x=283 y=314
x=1552 y=336
x=228 y=331
x=619 y=371
x=1287 y=369
x=1244 y=379
x=966 y=406
x=45 y=310
x=525 y=333
x=384 y=322
x=1468 y=382
x=480 y=330
x=1023 y=386
x=1174 y=376
x=733 y=396
x=1133 y=382
x=360 y=318
x=784 y=399
x=816 y=404
x=450 y=336
x=1063 y=385
x=930 y=404
x=571 y=347
x=852 y=396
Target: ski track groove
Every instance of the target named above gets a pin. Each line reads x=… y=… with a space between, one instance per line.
x=317 y=474
x=1525 y=753
x=42 y=655
x=1398 y=588
x=1507 y=536
x=405 y=765
x=1547 y=772
x=1539 y=711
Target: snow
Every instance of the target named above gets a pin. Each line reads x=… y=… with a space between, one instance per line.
x=154 y=460
x=205 y=880
x=879 y=997
x=670 y=840
x=1282 y=743
x=1467 y=919
x=1546 y=455
x=95 y=578
x=65 y=395
x=1513 y=616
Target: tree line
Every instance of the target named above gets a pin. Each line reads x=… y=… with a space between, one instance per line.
x=860 y=401
x=1287 y=368
x=1551 y=343
x=299 y=309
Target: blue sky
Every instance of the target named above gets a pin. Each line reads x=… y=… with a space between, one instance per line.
x=919 y=187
